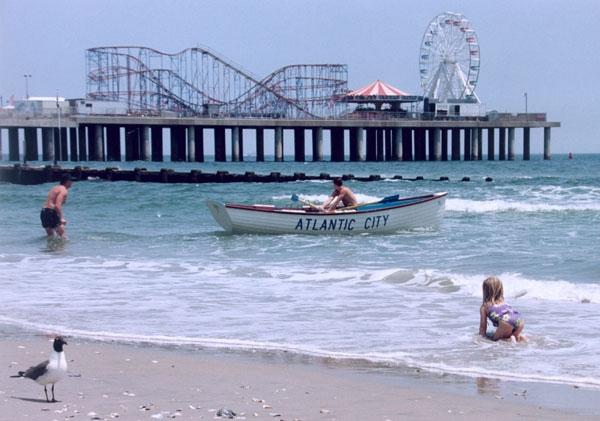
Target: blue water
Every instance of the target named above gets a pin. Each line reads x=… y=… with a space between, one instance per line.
x=147 y=262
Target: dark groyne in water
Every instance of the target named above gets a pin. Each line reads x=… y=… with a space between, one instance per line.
x=28 y=175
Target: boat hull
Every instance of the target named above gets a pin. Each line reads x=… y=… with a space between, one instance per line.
x=408 y=213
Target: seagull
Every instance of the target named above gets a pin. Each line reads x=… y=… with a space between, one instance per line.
x=49 y=371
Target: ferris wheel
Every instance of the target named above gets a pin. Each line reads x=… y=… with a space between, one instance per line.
x=449 y=59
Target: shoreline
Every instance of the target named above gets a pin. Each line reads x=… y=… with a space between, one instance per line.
x=147 y=381
x=290 y=354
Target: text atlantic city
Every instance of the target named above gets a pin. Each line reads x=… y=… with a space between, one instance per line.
x=340 y=224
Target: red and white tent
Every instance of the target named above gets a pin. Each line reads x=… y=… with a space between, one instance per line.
x=379 y=94
x=377 y=89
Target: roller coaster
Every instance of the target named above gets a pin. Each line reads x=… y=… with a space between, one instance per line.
x=198 y=81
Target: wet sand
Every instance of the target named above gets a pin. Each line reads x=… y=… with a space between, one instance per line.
x=108 y=381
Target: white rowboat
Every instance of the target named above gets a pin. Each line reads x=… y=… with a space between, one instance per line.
x=386 y=216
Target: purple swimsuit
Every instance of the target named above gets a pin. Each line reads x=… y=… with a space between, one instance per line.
x=497 y=312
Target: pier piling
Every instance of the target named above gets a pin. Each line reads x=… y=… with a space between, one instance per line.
x=220 y=144
x=299 y=145
x=526 y=145
x=437 y=144
x=98 y=151
x=73 y=152
x=337 y=144
x=13 y=144
x=430 y=144
x=479 y=143
x=444 y=144
x=397 y=144
x=113 y=143
x=475 y=144
x=511 y=143
x=60 y=137
x=199 y=143
x=191 y=143
x=547 y=155
x=178 y=143
x=354 y=144
x=407 y=144
x=420 y=145
x=146 y=144
x=133 y=143
x=82 y=139
x=47 y=144
x=502 y=144
x=379 y=152
x=278 y=144
x=371 y=144
x=157 y=143
x=31 y=150
x=467 y=144
x=260 y=144
x=235 y=144
x=456 y=144
x=388 y=145
x=491 y=141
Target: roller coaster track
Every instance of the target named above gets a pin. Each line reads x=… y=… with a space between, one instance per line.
x=197 y=81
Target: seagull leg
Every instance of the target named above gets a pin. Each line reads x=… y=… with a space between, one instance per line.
x=46 y=392
x=53 y=400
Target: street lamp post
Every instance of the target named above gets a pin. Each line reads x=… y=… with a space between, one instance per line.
x=57 y=152
x=27 y=77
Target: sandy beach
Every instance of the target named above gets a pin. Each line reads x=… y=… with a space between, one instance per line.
x=134 y=382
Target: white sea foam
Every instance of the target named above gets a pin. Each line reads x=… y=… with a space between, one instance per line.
x=320 y=198
x=477 y=206
x=515 y=285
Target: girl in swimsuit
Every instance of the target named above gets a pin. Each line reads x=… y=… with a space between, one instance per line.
x=508 y=322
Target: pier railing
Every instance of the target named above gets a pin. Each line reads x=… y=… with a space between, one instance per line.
x=359 y=115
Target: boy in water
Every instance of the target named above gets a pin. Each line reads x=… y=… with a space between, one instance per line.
x=52 y=215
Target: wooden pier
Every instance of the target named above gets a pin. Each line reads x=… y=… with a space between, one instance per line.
x=100 y=138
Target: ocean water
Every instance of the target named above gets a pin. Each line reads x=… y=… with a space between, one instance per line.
x=146 y=262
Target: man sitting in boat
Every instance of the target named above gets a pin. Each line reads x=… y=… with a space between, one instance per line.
x=340 y=194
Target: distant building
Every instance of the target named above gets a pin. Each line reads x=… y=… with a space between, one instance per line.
x=41 y=106
x=86 y=106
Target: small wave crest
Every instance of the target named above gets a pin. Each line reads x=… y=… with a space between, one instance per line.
x=515 y=286
x=477 y=206
x=320 y=198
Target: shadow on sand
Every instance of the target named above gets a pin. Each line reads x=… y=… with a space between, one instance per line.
x=33 y=400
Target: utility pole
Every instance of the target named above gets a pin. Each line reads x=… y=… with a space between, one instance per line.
x=27 y=77
x=57 y=153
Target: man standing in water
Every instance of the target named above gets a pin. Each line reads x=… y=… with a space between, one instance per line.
x=52 y=215
x=340 y=194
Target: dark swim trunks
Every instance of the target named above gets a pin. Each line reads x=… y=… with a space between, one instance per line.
x=49 y=218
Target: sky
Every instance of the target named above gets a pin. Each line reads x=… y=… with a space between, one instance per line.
x=548 y=49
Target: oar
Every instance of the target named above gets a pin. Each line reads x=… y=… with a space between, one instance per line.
x=296 y=198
